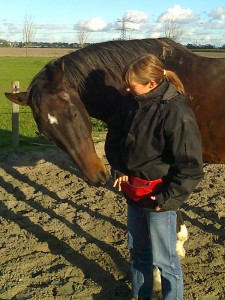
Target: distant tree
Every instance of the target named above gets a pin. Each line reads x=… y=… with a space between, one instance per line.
x=4 y=43
x=191 y=46
x=29 y=31
x=208 y=46
x=172 y=30
x=82 y=36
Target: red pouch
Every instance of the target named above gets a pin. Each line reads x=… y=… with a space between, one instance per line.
x=139 y=189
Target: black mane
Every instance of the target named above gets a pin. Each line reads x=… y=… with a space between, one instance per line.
x=106 y=57
x=110 y=57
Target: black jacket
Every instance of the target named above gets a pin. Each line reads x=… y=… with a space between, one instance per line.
x=156 y=136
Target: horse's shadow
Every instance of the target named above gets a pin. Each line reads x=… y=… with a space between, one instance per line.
x=207 y=220
x=90 y=268
x=208 y=215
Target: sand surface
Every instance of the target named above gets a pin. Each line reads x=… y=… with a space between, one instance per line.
x=63 y=239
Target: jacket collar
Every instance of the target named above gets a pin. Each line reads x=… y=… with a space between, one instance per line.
x=163 y=92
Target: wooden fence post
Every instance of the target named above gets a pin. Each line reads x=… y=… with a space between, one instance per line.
x=15 y=117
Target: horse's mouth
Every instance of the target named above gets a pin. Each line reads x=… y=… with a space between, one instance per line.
x=101 y=179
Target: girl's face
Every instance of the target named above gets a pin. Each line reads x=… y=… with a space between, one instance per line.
x=138 y=89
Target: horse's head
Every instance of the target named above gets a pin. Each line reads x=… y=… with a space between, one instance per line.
x=60 y=115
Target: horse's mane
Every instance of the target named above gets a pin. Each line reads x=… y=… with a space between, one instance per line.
x=112 y=57
x=106 y=57
x=109 y=57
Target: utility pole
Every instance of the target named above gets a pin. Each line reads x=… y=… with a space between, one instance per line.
x=123 y=30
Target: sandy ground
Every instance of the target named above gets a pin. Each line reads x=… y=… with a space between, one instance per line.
x=62 y=239
x=35 y=52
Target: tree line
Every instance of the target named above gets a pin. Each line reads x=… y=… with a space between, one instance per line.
x=5 y=44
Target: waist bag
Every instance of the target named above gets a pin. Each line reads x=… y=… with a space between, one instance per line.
x=138 y=189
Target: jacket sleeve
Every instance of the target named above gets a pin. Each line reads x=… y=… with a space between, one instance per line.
x=112 y=151
x=185 y=148
x=113 y=145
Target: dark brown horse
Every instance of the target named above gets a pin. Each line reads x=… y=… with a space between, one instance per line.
x=91 y=78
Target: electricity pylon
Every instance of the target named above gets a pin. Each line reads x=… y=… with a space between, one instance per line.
x=123 y=30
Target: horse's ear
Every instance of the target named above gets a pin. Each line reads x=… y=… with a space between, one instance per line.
x=18 y=98
x=55 y=74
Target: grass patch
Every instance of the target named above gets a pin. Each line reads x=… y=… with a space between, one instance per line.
x=38 y=142
x=22 y=69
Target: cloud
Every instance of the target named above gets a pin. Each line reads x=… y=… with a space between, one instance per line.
x=50 y=27
x=11 y=27
x=10 y=31
x=178 y=14
x=136 y=16
x=218 y=13
x=135 y=20
x=94 y=24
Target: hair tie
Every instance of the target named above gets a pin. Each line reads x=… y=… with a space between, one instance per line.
x=164 y=72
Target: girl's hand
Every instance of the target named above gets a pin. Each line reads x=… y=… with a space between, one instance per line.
x=158 y=207
x=118 y=181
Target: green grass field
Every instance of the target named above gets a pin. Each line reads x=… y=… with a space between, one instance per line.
x=22 y=69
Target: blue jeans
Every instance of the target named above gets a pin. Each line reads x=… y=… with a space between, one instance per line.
x=152 y=242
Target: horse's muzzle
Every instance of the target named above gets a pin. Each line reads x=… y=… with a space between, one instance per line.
x=101 y=179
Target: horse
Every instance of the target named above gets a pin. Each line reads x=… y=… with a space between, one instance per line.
x=90 y=79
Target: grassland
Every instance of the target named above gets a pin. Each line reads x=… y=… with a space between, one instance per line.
x=22 y=69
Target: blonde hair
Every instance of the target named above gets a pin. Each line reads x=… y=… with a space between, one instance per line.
x=149 y=68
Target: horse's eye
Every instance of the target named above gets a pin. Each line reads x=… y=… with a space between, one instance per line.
x=74 y=113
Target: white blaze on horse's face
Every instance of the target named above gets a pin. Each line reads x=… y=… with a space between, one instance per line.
x=52 y=120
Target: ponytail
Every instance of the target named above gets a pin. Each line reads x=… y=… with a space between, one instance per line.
x=175 y=80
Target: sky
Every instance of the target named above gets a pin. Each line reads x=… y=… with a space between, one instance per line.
x=201 y=22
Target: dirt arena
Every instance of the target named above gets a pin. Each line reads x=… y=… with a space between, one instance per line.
x=62 y=239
